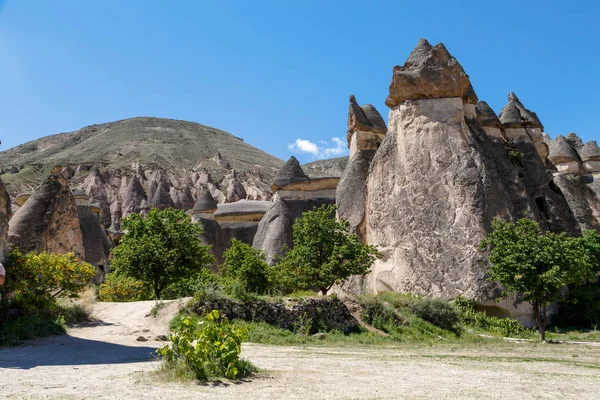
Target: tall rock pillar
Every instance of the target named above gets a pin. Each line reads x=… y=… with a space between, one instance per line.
x=4 y=216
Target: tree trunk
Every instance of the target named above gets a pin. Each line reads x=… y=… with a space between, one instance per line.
x=539 y=311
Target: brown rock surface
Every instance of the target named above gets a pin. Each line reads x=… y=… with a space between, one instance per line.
x=5 y=212
x=49 y=220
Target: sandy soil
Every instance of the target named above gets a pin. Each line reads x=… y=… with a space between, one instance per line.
x=104 y=360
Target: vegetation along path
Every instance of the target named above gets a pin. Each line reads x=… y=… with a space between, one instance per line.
x=105 y=359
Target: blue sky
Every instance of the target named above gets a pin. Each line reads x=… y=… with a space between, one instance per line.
x=275 y=72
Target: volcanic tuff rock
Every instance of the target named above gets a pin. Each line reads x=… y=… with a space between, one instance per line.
x=48 y=221
x=430 y=72
x=291 y=172
x=274 y=232
x=439 y=179
x=5 y=212
x=515 y=115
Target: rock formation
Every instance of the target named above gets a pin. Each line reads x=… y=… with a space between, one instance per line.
x=5 y=212
x=445 y=169
x=48 y=220
x=576 y=173
x=295 y=193
x=366 y=131
x=240 y=219
x=96 y=243
x=203 y=214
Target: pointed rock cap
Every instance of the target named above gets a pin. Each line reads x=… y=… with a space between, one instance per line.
x=161 y=198
x=291 y=172
x=560 y=151
x=430 y=72
x=589 y=151
x=574 y=141
x=206 y=203
x=515 y=115
x=486 y=116
x=365 y=118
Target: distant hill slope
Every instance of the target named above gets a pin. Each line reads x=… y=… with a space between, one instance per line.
x=177 y=146
x=135 y=164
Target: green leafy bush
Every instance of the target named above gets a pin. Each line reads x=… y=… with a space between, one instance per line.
x=215 y=353
x=47 y=275
x=246 y=265
x=437 y=312
x=471 y=316
x=122 y=288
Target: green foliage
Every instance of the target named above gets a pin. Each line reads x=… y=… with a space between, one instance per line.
x=187 y=287
x=436 y=311
x=523 y=260
x=324 y=252
x=160 y=249
x=504 y=326
x=122 y=288
x=47 y=275
x=215 y=353
x=580 y=307
x=246 y=265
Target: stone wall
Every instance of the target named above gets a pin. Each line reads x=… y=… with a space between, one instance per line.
x=313 y=315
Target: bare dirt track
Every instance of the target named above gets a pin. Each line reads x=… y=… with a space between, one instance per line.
x=104 y=360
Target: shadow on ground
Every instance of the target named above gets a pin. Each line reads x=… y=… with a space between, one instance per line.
x=53 y=351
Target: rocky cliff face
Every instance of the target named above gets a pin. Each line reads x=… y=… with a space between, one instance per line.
x=446 y=168
x=5 y=213
x=48 y=220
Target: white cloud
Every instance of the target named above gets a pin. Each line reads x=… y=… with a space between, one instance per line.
x=336 y=147
x=304 y=146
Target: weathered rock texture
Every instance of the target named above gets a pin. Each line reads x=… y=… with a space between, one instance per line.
x=48 y=220
x=446 y=168
x=274 y=233
x=203 y=214
x=430 y=72
x=5 y=213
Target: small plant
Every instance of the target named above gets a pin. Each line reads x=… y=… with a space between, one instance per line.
x=156 y=308
x=121 y=288
x=208 y=349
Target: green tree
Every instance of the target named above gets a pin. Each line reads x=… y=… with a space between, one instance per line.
x=325 y=252
x=539 y=266
x=160 y=249
x=247 y=265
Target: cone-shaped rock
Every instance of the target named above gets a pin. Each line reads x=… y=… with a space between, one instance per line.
x=589 y=151
x=515 y=115
x=364 y=118
x=274 y=232
x=430 y=72
x=574 y=141
x=206 y=203
x=161 y=198
x=486 y=116
x=291 y=172
x=48 y=221
x=133 y=197
x=560 y=151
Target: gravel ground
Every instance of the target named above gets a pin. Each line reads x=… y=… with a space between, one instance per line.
x=105 y=360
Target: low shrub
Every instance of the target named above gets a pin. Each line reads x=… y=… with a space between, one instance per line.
x=469 y=315
x=187 y=287
x=208 y=349
x=437 y=312
x=123 y=288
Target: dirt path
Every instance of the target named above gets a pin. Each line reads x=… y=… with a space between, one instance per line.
x=104 y=360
